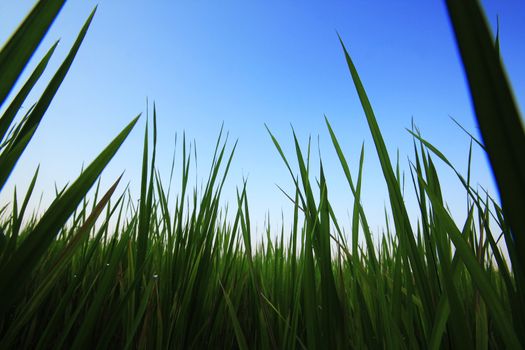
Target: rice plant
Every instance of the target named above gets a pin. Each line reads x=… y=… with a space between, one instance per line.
x=101 y=272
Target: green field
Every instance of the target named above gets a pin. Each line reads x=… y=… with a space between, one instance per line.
x=101 y=272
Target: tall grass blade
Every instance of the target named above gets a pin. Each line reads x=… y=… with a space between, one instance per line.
x=401 y=220
x=17 y=146
x=23 y=43
x=496 y=112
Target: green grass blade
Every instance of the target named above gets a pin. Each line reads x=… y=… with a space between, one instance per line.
x=479 y=276
x=281 y=153
x=61 y=263
x=16 y=271
x=23 y=43
x=401 y=220
x=472 y=137
x=8 y=158
x=356 y=191
x=14 y=106
x=496 y=112
x=15 y=230
x=43 y=103
x=241 y=339
x=83 y=338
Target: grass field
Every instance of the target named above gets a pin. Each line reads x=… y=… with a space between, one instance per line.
x=102 y=272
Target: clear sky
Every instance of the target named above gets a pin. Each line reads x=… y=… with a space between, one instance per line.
x=246 y=63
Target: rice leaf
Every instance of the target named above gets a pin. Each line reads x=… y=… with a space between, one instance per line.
x=496 y=112
x=15 y=54
x=17 y=270
x=17 y=146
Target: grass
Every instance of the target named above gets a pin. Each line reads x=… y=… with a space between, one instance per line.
x=101 y=272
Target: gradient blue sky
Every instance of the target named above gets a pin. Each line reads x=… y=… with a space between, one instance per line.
x=246 y=63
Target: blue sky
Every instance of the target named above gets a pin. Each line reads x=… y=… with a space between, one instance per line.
x=247 y=63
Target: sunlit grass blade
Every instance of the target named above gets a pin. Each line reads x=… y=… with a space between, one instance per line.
x=358 y=211
x=401 y=221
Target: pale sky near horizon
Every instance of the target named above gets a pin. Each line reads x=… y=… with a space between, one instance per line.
x=250 y=63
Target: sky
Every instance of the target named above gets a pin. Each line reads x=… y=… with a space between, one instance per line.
x=245 y=64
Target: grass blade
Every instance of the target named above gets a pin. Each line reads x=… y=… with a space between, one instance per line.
x=23 y=43
x=17 y=270
x=496 y=112
x=21 y=140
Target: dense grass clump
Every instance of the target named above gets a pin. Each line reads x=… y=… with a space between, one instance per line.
x=102 y=272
